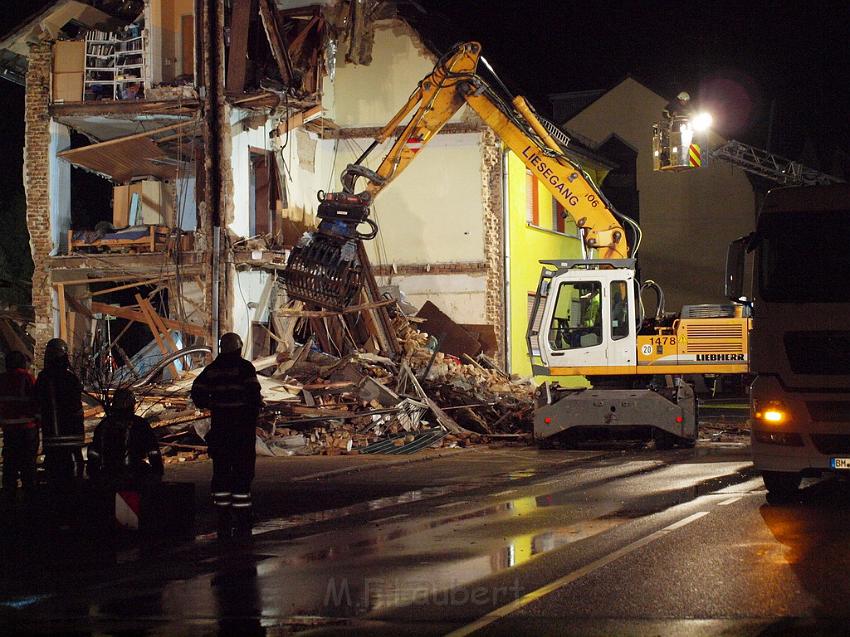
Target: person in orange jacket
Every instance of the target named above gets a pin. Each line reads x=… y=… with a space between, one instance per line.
x=20 y=429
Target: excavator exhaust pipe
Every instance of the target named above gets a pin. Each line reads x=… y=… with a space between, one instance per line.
x=323 y=268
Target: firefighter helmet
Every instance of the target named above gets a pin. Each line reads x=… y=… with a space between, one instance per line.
x=229 y=343
x=124 y=400
x=16 y=360
x=55 y=349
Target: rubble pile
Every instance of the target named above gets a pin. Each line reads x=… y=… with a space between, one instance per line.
x=318 y=404
x=484 y=399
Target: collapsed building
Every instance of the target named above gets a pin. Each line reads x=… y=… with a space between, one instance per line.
x=188 y=150
x=174 y=149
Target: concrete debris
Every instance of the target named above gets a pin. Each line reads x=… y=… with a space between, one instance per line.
x=360 y=402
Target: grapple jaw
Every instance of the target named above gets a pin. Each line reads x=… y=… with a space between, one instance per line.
x=324 y=268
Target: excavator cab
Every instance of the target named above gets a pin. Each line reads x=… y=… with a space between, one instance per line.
x=585 y=318
x=675 y=144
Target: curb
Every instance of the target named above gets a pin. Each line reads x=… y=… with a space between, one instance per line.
x=379 y=465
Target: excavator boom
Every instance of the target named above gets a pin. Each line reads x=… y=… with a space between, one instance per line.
x=323 y=268
x=590 y=320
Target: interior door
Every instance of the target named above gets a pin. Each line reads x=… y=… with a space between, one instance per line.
x=187 y=44
x=621 y=322
x=261 y=213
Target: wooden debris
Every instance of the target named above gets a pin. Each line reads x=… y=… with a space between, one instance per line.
x=343 y=403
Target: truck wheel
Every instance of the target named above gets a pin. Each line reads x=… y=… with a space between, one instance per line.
x=782 y=485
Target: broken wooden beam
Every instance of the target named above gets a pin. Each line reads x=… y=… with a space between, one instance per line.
x=276 y=41
x=237 y=58
x=134 y=314
x=147 y=310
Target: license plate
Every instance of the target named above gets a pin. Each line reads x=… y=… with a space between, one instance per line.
x=839 y=463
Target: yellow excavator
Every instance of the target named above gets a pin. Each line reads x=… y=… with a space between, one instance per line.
x=588 y=317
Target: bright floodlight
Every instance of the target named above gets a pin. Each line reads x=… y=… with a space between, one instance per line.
x=701 y=122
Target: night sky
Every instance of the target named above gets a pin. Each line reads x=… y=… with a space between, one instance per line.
x=737 y=58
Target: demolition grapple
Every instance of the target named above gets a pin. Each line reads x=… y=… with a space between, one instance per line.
x=324 y=268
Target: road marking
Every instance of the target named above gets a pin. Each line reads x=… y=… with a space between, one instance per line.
x=392 y=517
x=533 y=596
x=507 y=492
x=450 y=504
x=729 y=501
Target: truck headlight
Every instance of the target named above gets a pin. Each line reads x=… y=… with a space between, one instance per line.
x=771 y=413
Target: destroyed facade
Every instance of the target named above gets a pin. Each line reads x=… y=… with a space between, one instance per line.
x=211 y=126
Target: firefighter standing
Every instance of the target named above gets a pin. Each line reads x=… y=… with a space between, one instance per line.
x=230 y=389
x=18 y=420
x=124 y=451
x=58 y=394
x=679 y=107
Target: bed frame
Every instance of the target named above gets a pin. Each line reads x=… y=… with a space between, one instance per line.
x=154 y=240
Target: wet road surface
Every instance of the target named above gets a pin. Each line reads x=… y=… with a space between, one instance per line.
x=500 y=541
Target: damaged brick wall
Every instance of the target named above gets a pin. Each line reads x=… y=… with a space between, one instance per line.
x=414 y=269
x=494 y=236
x=37 y=189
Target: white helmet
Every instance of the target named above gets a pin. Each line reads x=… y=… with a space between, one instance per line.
x=683 y=96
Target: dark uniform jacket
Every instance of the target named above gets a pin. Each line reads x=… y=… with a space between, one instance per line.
x=57 y=392
x=229 y=388
x=17 y=407
x=124 y=445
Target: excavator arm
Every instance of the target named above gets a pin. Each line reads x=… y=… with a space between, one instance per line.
x=324 y=269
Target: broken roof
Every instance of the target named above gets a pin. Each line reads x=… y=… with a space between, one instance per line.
x=47 y=23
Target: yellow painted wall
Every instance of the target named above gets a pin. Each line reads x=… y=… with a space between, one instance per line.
x=527 y=246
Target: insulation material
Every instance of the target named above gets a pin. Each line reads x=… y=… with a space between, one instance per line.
x=306 y=150
x=146 y=359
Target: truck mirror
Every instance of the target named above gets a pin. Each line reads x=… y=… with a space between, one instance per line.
x=735 y=256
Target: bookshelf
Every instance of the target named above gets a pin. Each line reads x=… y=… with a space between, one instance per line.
x=115 y=64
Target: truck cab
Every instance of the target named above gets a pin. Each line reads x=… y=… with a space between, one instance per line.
x=591 y=320
x=800 y=335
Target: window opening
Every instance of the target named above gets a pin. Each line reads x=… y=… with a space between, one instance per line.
x=577 y=319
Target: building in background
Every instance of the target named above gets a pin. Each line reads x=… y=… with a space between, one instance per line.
x=687 y=218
